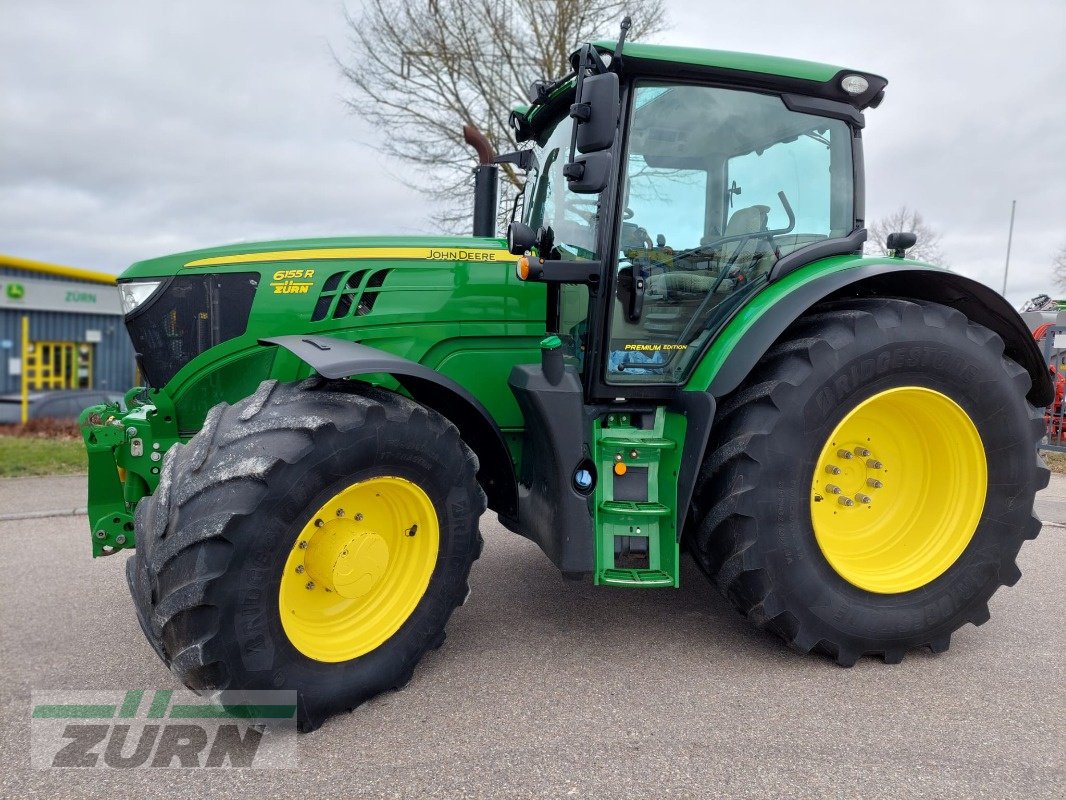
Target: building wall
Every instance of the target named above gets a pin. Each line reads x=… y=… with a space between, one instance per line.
x=113 y=357
x=113 y=360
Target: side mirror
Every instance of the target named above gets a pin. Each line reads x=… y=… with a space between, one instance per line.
x=596 y=112
x=588 y=174
x=520 y=238
x=899 y=243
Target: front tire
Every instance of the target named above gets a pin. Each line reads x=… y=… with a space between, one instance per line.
x=312 y=537
x=872 y=480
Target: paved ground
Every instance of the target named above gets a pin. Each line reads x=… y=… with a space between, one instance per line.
x=551 y=689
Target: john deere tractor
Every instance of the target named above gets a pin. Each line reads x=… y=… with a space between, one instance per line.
x=679 y=347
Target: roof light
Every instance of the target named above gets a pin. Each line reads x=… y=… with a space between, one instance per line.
x=854 y=84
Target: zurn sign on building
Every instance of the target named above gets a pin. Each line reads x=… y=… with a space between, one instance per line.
x=39 y=295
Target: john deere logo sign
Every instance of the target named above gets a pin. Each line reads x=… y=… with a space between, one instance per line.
x=15 y=291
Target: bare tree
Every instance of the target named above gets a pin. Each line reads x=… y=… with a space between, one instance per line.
x=905 y=220
x=1058 y=267
x=421 y=69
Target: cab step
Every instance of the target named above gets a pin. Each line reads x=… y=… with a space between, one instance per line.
x=638 y=458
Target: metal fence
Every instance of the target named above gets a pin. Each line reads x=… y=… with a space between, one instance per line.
x=1052 y=341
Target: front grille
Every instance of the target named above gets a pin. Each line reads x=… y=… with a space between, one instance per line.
x=190 y=314
x=346 y=294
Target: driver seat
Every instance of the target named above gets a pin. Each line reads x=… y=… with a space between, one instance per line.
x=752 y=256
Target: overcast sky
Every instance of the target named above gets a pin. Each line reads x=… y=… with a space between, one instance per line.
x=133 y=129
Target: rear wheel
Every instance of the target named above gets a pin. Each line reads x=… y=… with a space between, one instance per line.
x=872 y=481
x=311 y=537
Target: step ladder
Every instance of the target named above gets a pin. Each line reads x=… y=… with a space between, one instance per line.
x=638 y=457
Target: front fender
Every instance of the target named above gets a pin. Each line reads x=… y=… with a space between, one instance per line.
x=338 y=358
x=756 y=327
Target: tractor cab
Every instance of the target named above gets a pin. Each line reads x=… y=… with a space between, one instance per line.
x=720 y=180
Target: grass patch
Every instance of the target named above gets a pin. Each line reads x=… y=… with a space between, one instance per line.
x=1056 y=461
x=22 y=456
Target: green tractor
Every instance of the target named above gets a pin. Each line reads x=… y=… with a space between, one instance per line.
x=678 y=347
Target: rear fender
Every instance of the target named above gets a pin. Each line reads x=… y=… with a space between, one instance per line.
x=337 y=359
x=752 y=332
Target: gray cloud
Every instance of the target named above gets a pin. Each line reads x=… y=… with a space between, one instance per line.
x=132 y=129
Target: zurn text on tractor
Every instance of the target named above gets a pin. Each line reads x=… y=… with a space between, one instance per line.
x=691 y=354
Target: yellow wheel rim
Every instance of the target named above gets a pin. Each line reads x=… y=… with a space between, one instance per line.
x=898 y=490
x=358 y=569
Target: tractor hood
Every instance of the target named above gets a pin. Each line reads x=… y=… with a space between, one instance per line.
x=235 y=256
x=194 y=313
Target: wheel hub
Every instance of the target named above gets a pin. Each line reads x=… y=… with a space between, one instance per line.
x=346 y=560
x=853 y=474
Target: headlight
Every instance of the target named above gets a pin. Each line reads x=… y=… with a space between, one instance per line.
x=132 y=295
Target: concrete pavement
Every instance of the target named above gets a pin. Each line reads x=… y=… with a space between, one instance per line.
x=554 y=689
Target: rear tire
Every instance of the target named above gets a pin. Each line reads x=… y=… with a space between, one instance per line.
x=234 y=503
x=752 y=529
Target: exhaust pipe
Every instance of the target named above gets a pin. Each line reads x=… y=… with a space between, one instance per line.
x=486 y=182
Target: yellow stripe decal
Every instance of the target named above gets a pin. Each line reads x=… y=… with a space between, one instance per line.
x=362 y=253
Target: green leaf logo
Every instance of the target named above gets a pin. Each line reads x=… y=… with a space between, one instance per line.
x=16 y=291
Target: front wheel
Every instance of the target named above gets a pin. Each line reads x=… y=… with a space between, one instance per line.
x=312 y=537
x=872 y=480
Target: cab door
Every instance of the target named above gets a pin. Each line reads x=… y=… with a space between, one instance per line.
x=716 y=185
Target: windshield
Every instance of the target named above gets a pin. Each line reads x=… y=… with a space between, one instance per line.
x=546 y=202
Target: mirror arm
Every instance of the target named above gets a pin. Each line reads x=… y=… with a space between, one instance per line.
x=582 y=112
x=579 y=272
x=523 y=159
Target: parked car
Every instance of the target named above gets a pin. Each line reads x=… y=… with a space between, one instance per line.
x=59 y=404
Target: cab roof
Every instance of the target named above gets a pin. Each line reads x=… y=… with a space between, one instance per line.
x=744 y=70
x=725 y=59
x=773 y=73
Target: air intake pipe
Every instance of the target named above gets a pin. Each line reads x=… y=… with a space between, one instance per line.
x=486 y=182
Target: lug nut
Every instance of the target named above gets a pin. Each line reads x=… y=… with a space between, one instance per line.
x=873 y=463
x=862 y=452
x=358 y=517
x=633 y=454
x=299 y=567
x=120 y=539
x=319 y=523
x=832 y=469
x=844 y=454
x=310 y=585
x=846 y=501
x=101 y=535
x=874 y=483
x=303 y=545
x=865 y=499
x=832 y=489
x=618 y=457
x=340 y=512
